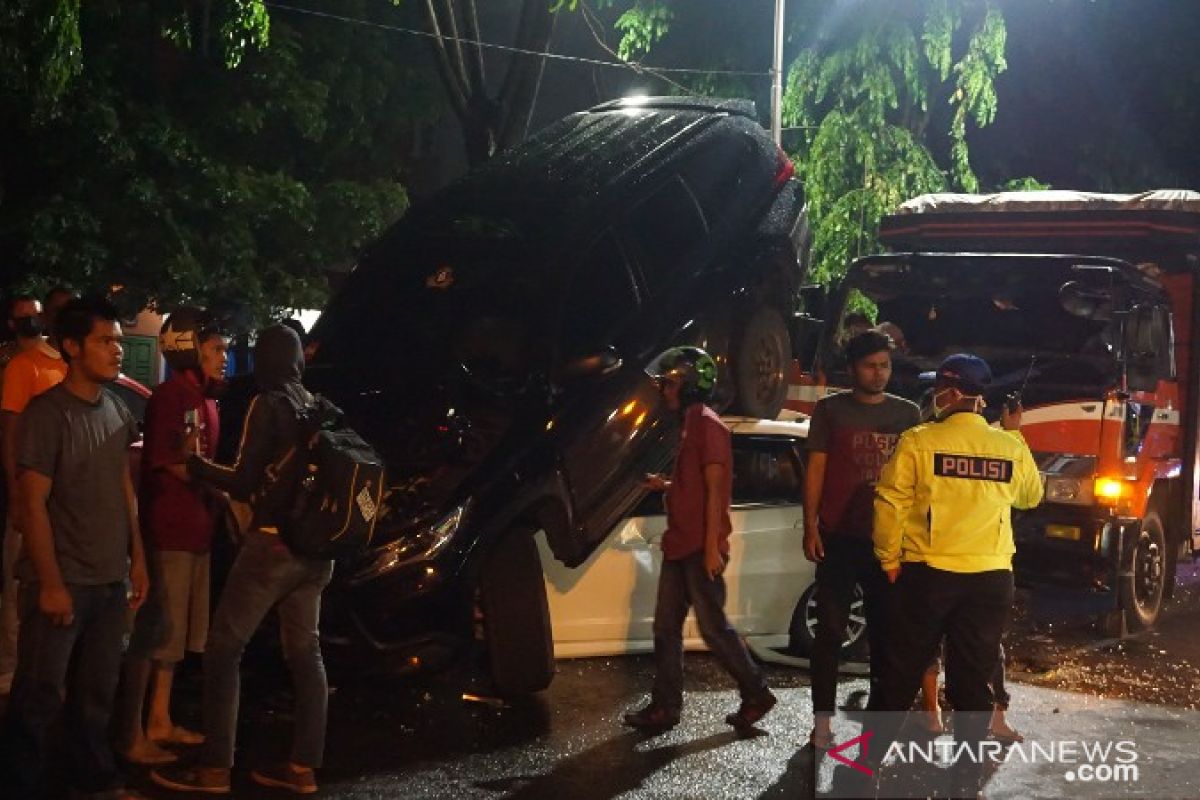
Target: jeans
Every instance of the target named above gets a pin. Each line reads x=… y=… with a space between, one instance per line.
x=848 y=561
x=683 y=583
x=81 y=661
x=266 y=574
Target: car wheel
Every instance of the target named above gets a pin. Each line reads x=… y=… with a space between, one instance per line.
x=1142 y=590
x=516 y=617
x=803 y=631
x=760 y=364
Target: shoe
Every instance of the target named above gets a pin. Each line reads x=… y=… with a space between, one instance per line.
x=652 y=718
x=206 y=780
x=285 y=776
x=751 y=711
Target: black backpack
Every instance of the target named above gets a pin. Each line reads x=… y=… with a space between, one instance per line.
x=328 y=487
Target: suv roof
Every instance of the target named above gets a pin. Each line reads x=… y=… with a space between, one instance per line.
x=740 y=107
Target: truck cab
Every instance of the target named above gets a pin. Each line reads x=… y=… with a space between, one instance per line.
x=1085 y=305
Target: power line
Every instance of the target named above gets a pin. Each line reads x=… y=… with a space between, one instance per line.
x=633 y=65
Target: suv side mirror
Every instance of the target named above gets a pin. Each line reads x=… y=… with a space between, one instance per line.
x=604 y=362
x=813 y=299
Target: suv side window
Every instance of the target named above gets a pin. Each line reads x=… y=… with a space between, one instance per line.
x=664 y=228
x=766 y=471
x=600 y=295
x=716 y=175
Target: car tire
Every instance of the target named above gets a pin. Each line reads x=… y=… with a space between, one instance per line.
x=802 y=631
x=516 y=617
x=1142 y=591
x=760 y=365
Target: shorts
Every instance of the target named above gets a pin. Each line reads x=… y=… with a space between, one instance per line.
x=175 y=617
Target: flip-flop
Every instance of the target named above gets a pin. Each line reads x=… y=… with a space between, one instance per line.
x=821 y=742
x=181 y=735
x=1007 y=738
x=157 y=756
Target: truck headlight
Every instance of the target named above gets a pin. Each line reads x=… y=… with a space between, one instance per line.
x=418 y=545
x=1071 y=491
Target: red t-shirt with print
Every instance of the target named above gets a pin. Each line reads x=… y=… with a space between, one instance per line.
x=705 y=440
x=176 y=514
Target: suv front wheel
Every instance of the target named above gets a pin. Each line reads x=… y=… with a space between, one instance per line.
x=516 y=618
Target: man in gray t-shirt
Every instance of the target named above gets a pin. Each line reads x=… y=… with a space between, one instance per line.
x=850 y=438
x=82 y=565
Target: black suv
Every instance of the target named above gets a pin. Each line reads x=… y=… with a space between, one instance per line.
x=493 y=347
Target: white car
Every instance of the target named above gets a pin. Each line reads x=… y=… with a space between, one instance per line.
x=606 y=605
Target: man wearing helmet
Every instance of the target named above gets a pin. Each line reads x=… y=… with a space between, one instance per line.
x=696 y=548
x=178 y=519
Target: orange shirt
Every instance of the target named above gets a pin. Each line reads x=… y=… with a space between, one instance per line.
x=30 y=373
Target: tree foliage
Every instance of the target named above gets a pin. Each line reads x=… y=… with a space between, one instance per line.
x=199 y=150
x=884 y=96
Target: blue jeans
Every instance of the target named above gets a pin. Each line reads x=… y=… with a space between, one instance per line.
x=683 y=583
x=80 y=662
x=266 y=574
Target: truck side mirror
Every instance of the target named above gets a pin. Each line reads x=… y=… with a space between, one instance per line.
x=813 y=300
x=1148 y=347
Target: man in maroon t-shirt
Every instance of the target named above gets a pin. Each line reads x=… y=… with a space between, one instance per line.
x=850 y=438
x=696 y=549
x=178 y=518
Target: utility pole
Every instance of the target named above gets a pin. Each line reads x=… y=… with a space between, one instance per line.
x=777 y=77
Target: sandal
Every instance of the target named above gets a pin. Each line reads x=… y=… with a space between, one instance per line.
x=1010 y=736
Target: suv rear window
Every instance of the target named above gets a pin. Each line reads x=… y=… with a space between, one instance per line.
x=664 y=228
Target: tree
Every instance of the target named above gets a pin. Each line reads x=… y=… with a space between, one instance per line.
x=491 y=120
x=186 y=157
x=884 y=95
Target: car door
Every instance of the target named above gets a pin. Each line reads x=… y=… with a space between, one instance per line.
x=609 y=429
x=767 y=571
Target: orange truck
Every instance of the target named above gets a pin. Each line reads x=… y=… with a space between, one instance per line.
x=1086 y=306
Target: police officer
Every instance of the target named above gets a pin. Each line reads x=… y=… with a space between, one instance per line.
x=943 y=535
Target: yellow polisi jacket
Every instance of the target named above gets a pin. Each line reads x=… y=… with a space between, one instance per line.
x=946 y=495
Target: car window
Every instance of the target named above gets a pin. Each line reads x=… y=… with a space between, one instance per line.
x=766 y=471
x=600 y=296
x=664 y=228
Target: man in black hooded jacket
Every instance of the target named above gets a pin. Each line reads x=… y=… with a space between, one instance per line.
x=265 y=574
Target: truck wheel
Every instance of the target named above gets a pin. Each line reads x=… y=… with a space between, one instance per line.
x=803 y=631
x=1142 y=590
x=516 y=618
x=760 y=364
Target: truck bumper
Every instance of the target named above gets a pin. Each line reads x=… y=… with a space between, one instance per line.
x=1069 y=558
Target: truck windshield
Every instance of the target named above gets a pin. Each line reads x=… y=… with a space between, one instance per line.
x=1006 y=316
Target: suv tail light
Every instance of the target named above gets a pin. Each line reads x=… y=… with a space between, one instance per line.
x=784 y=168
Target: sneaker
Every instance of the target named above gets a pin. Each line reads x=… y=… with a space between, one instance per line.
x=652 y=718
x=206 y=780
x=751 y=711
x=285 y=776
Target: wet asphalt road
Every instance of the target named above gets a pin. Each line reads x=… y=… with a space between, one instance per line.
x=420 y=739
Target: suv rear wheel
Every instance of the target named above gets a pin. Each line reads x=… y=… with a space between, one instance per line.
x=516 y=618
x=760 y=363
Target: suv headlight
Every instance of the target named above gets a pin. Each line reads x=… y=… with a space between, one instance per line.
x=418 y=545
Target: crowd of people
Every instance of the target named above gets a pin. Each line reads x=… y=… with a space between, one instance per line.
x=107 y=584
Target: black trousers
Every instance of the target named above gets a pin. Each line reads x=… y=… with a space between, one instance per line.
x=970 y=610
x=848 y=561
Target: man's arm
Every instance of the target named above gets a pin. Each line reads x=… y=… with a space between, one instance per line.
x=139 y=578
x=894 y=495
x=1029 y=482
x=53 y=598
x=10 y=425
x=714 y=513
x=814 y=482
x=254 y=456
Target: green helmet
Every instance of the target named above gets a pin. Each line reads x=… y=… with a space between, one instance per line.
x=695 y=368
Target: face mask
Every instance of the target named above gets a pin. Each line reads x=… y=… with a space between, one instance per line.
x=28 y=327
x=938 y=411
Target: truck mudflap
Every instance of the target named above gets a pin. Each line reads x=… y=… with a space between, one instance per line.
x=1068 y=558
